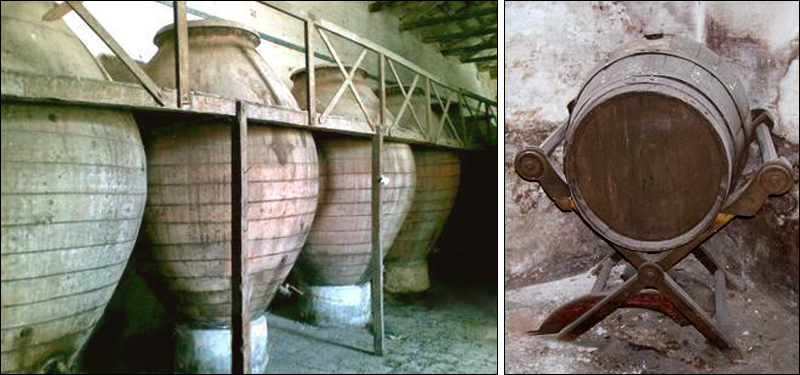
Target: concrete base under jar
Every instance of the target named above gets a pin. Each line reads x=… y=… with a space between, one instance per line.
x=336 y=306
x=207 y=350
x=406 y=277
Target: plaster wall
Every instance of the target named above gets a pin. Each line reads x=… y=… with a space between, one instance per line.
x=549 y=49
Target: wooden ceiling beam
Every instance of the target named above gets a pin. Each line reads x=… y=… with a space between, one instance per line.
x=378 y=6
x=491 y=44
x=460 y=16
x=459 y=36
x=479 y=59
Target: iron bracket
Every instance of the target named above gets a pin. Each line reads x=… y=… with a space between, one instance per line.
x=774 y=176
x=533 y=164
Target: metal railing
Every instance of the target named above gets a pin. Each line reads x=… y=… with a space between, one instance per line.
x=426 y=129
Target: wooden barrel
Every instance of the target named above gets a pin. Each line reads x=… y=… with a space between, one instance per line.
x=656 y=141
x=327 y=80
x=339 y=245
x=188 y=217
x=73 y=193
x=438 y=176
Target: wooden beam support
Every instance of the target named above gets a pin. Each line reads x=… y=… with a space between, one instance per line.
x=240 y=291
x=492 y=44
x=376 y=261
x=459 y=36
x=479 y=59
x=419 y=9
x=181 y=54
x=378 y=6
x=103 y=34
x=58 y=12
x=428 y=113
x=460 y=16
x=311 y=86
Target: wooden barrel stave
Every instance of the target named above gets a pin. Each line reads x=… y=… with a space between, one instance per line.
x=651 y=180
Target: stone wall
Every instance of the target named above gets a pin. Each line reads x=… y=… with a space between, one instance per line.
x=549 y=49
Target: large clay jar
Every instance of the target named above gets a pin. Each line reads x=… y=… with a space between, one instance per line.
x=333 y=269
x=438 y=175
x=188 y=217
x=73 y=194
x=327 y=81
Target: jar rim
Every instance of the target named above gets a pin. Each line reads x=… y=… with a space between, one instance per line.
x=221 y=24
x=302 y=70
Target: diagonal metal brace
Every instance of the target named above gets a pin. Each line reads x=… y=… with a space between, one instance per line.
x=570 y=311
x=774 y=176
x=348 y=81
x=112 y=44
x=408 y=94
x=533 y=164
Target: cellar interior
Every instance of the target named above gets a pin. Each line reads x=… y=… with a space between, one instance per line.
x=553 y=257
x=175 y=182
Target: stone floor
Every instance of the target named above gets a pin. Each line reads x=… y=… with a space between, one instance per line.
x=640 y=341
x=425 y=336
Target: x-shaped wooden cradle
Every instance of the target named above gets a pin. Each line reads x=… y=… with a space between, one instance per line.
x=578 y=316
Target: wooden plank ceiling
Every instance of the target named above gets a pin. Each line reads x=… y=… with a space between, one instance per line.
x=466 y=30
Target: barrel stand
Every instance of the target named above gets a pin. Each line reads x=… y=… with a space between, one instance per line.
x=578 y=316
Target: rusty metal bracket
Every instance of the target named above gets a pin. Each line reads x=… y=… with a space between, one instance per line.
x=774 y=176
x=578 y=316
x=533 y=164
x=570 y=311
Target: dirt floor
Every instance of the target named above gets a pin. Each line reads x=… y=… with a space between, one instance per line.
x=640 y=341
x=432 y=335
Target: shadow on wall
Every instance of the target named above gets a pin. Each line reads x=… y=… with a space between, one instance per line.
x=468 y=248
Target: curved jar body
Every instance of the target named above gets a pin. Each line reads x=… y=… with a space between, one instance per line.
x=188 y=217
x=438 y=176
x=327 y=80
x=339 y=246
x=73 y=194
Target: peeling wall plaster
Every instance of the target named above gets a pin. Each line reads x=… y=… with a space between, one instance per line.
x=551 y=46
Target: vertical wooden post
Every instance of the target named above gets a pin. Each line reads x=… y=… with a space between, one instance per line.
x=377 y=250
x=310 y=75
x=488 y=124
x=240 y=292
x=428 y=116
x=461 y=114
x=181 y=54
